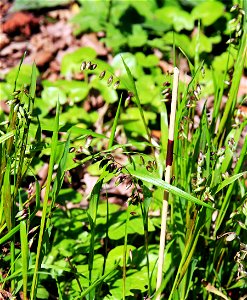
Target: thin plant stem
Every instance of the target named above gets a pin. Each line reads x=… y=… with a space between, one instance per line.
x=125 y=252
x=169 y=159
x=45 y=206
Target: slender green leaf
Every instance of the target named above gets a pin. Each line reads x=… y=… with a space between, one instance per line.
x=229 y=181
x=7 y=136
x=145 y=176
x=45 y=204
x=24 y=252
x=138 y=102
x=114 y=126
x=6 y=197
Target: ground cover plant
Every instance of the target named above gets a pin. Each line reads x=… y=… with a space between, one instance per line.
x=83 y=164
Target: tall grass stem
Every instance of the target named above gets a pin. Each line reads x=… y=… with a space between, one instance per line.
x=168 y=170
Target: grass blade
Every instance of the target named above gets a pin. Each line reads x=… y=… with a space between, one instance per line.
x=227 y=198
x=145 y=176
x=115 y=122
x=45 y=204
x=138 y=102
x=24 y=252
x=232 y=99
x=6 y=197
x=125 y=252
x=6 y=136
x=229 y=181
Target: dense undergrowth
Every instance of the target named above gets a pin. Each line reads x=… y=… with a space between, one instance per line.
x=59 y=244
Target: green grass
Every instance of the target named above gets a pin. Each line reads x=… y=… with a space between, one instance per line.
x=107 y=251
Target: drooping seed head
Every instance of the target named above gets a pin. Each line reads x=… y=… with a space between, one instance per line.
x=239 y=33
x=230 y=41
x=93 y=66
x=102 y=75
x=16 y=93
x=142 y=160
x=167 y=83
x=116 y=84
x=103 y=163
x=234 y=7
x=88 y=65
x=149 y=168
x=167 y=90
x=203 y=72
x=242 y=12
x=232 y=21
x=83 y=66
x=71 y=149
x=110 y=80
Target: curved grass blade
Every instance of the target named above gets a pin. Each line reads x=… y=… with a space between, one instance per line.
x=227 y=198
x=24 y=252
x=229 y=181
x=138 y=102
x=96 y=283
x=94 y=199
x=143 y=175
x=7 y=136
x=45 y=205
x=13 y=231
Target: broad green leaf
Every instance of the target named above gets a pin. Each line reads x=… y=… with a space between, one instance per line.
x=160 y=26
x=42 y=293
x=68 y=195
x=76 y=115
x=135 y=226
x=131 y=61
x=178 y=18
x=91 y=17
x=180 y=40
x=139 y=36
x=148 y=91
x=135 y=280
x=147 y=61
x=51 y=95
x=66 y=247
x=115 y=256
x=208 y=12
x=115 y=38
x=158 y=43
x=6 y=90
x=145 y=8
x=220 y=62
x=133 y=123
x=204 y=44
x=75 y=90
x=71 y=62
x=109 y=94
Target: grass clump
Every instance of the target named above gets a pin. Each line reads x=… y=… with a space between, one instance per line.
x=54 y=248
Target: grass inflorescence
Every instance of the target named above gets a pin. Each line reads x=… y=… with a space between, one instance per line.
x=95 y=249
